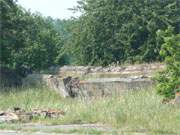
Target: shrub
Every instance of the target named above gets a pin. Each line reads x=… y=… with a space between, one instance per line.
x=168 y=81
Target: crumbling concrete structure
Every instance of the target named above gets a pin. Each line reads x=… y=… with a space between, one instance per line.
x=74 y=81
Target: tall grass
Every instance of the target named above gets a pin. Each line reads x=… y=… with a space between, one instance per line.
x=140 y=111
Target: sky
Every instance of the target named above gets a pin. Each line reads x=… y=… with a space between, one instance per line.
x=53 y=8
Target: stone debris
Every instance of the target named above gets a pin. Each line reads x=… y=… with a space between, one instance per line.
x=8 y=116
x=19 y=114
x=115 y=68
x=50 y=113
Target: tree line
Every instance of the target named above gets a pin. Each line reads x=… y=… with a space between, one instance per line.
x=122 y=30
x=108 y=31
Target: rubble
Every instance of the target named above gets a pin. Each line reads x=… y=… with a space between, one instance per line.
x=19 y=114
x=8 y=116
x=130 y=69
x=48 y=113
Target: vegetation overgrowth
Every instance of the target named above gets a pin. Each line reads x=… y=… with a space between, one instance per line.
x=169 y=79
x=133 y=111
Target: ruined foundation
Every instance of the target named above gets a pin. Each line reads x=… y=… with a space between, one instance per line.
x=96 y=81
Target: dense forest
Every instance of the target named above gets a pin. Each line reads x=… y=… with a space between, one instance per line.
x=108 y=31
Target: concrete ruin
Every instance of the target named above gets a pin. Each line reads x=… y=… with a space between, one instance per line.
x=75 y=81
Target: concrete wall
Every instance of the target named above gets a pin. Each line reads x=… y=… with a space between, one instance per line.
x=110 y=86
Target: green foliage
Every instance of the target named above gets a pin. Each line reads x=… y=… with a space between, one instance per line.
x=108 y=31
x=121 y=30
x=27 y=39
x=169 y=80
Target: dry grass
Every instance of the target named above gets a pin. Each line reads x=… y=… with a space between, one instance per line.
x=139 y=111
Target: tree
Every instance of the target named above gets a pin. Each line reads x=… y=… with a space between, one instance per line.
x=27 y=39
x=9 y=28
x=124 y=31
x=64 y=29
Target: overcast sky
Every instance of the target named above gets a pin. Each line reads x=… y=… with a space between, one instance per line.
x=53 y=8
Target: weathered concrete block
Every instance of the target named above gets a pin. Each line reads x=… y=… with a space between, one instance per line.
x=51 y=81
x=110 y=86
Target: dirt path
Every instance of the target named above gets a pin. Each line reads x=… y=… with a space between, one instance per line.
x=40 y=129
x=74 y=129
x=68 y=127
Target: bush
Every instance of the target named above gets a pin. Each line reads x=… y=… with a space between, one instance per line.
x=168 y=81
